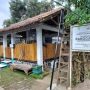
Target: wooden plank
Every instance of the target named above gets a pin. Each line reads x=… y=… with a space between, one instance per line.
x=8 y=52
x=1 y=50
x=30 y=51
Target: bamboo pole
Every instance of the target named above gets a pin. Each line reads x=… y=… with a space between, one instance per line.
x=70 y=65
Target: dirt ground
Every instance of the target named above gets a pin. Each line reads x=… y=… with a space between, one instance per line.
x=26 y=85
x=37 y=84
x=19 y=81
x=83 y=86
x=43 y=84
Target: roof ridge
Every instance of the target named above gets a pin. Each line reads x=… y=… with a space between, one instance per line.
x=38 y=18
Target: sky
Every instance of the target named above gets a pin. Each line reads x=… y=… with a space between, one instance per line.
x=4 y=11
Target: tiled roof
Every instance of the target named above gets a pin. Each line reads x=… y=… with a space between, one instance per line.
x=30 y=21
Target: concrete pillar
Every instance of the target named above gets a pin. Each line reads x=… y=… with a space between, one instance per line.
x=12 y=45
x=39 y=46
x=4 y=45
x=52 y=64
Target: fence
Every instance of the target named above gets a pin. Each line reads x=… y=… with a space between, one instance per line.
x=28 y=52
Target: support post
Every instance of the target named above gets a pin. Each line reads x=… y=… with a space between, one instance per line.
x=70 y=64
x=12 y=45
x=4 y=45
x=70 y=69
x=39 y=46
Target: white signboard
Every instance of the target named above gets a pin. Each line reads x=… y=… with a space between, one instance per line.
x=80 y=38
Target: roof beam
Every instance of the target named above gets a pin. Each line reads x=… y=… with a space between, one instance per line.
x=48 y=27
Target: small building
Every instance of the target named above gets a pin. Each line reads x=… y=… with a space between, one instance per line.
x=31 y=40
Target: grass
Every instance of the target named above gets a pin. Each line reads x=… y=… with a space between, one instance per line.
x=10 y=79
x=18 y=80
x=39 y=76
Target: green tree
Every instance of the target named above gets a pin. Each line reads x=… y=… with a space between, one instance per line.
x=21 y=10
x=34 y=7
x=17 y=10
x=81 y=14
x=7 y=22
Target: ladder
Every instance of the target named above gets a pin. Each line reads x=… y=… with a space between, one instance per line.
x=63 y=66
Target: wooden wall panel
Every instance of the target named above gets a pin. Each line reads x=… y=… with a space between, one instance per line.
x=44 y=53
x=58 y=51
x=1 y=50
x=29 y=51
x=50 y=51
x=17 y=51
x=8 y=52
x=25 y=52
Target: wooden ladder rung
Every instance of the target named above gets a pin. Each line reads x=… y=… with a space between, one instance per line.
x=63 y=78
x=64 y=69
x=65 y=54
x=63 y=66
x=65 y=63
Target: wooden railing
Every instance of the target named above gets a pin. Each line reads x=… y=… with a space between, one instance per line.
x=25 y=52
x=8 y=52
x=28 y=52
x=1 y=50
x=49 y=51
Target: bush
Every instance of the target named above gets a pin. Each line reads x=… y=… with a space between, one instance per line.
x=78 y=16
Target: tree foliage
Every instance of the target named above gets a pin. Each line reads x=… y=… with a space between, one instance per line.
x=34 y=7
x=81 y=14
x=7 y=22
x=17 y=10
x=22 y=9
